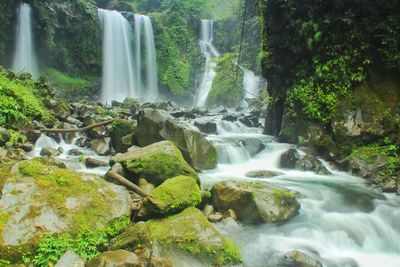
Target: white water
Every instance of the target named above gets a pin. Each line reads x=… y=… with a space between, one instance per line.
x=25 y=57
x=148 y=88
x=118 y=79
x=251 y=84
x=342 y=221
x=209 y=52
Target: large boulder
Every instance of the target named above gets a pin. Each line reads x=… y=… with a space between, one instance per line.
x=182 y=239
x=119 y=129
x=255 y=202
x=157 y=125
x=118 y=258
x=157 y=163
x=70 y=259
x=101 y=145
x=38 y=196
x=172 y=196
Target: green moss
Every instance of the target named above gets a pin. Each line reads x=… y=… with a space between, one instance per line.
x=256 y=185
x=190 y=231
x=283 y=194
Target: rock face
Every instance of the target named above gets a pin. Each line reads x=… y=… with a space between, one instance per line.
x=37 y=194
x=172 y=196
x=255 y=202
x=118 y=258
x=120 y=129
x=157 y=125
x=185 y=239
x=157 y=162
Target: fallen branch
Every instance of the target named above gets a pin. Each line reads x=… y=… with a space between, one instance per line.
x=128 y=184
x=74 y=130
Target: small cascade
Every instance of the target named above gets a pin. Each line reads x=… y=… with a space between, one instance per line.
x=148 y=88
x=25 y=57
x=118 y=69
x=209 y=52
x=251 y=84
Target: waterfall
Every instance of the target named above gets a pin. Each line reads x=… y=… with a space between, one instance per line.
x=118 y=79
x=251 y=84
x=209 y=52
x=24 y=57
x=148 y=90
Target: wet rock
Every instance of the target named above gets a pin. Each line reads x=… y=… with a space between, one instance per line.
x=169 y=106
x=37 y=194
x=95 y=132
x=70 y=259
x=84 y=110
x=160 y=262
x=33 y=135
x=230 y=214
x=27 y=147
x=262 y=174
x=172 y=196
x=132 y=104
x=311 y=163
x=75 y=152
x=215 y=217
x=15 y=154
x=157 y=162
x=61 y=110
x=301 y=259
x=119 y=130
x=118 y=258
x=208 y=210
x=289 y=158
x=230 y=117
x=94 y=163
x=206 y=127
x=4 y=135
x=150 y=122
x=255 y=202
x=68 y=137
x=253 y=146
x=101 y=146
x=218 y=110
x=183 y=114
x=49 y=152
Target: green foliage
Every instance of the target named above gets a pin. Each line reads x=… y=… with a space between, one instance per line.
x=87 y=243
x=227 y=85
x=20 y=101
x=72 y=87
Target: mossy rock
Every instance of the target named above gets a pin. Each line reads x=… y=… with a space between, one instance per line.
x=172 y=196
x=157 y=162
x=40 y=198
x=187 y=235
x=119 y=129
x=255 y=202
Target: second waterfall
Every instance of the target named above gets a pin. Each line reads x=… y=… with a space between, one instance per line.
x=125 y=74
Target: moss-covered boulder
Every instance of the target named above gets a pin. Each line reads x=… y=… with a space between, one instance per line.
x=39 y=197
x=172 y=196
x=157 y=163
x=119 y=129
x=184 y=239
x=120 y=258
x=255 y=202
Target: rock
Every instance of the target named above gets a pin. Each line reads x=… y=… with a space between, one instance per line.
x=289 y=158
x=218 y=110
x=160 y=262
x=255 y=202
x=49 y=152
x=155 y=125
x=132 y=104
x=215 y=217
x=61 y=110
x=119 y=129
x=311 y=163
x=253 y=146
x=230 y=117
x=15 y=154
x=96 y=132
x=208 y=209
x=134 y=234
x=101 y=146
x=68 y=137
x=166 y=106
x=94 y=163
x=84 y=110
x=146 y=186
x=230 y=214
x=128 y=141
x=183 y=114
x=73 y=121
x=37 y=195
x=27 y=147
x=32 y=135
x=118 y=258
x=301 y=259
x=4 y=135
x=157 y=162
x=206 y=127
x=75 y=152
x=262 y=174
x=171 y=197
x=70 y=259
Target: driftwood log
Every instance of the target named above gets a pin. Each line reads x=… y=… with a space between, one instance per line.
x=75 y=130
x=128 y=184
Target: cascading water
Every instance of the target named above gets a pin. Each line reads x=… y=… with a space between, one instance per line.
x=118 y=70
x=342 y=221
x=209 y=52
x=251 y=84
x=148 y=90
x=24 y=57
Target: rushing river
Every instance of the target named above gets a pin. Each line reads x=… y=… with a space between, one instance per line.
x=342 y=221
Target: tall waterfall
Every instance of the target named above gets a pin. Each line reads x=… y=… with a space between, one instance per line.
x=148 y=87
x=24 y=57
x=118 y=80
x=209 y=52
x=251 y=84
